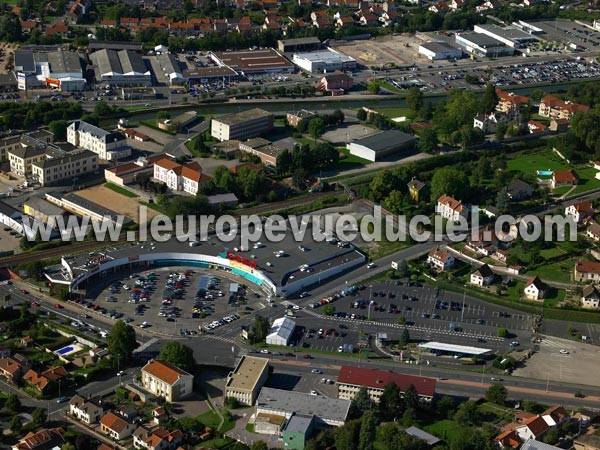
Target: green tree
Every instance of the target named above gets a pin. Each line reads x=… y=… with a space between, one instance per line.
x=224 y=179
x=394 y=201
x=428 y=140
x=316 y=128
x=259 y=445
x=502 y=201
x=177 y=354
x=121 y=342
x=328 y=310
x=414 y=99
x=391 y=403
x=258 y=330
x=411 y=397
x=15 y=424
x=346 y=437
x=449 y=181
x=284 y=162
x=552 y=436
x=59 y=129
x=445 y=406
x=10 y=27
x=102 y=108
x=367 y=431
x=502 y=332
x=501 y=129
x=496 y=393
x=68 y=446
x=13 y=403
x=38 y=417
x=404 y=338
x=362 y=402
x=361 y=114
x=300 y=179
x=409 y=417
x=489 y=100
x=162 y=115
x=468 y=413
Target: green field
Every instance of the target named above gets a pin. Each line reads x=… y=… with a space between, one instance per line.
x=120 y=190
x=393 y=112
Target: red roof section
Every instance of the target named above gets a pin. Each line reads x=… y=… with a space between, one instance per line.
x=378 y=379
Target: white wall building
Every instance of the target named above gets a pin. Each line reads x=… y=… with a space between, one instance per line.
x=167 y=381
x=281 y=331
x=439 y=50
x=106 y=144
x=179 y=177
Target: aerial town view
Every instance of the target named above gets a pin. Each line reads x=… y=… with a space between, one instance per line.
x=299 y=224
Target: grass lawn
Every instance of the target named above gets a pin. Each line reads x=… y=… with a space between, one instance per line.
x=120 y=190
x=351 y=161
x=390 y=87
x=393 y=112
x=444 y=429
x=559 y=271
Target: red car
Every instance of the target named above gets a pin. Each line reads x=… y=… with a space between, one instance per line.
x=307 y=356
x=23 y=291
x=57 y=305
x=35 y=304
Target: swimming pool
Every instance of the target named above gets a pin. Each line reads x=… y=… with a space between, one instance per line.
x=544 y=172
x=68 y=349
x=65 y=350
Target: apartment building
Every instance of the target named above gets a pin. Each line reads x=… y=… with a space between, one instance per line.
x=50 y=171
x=556 y=108
x=246 y=380
x=180 y=177
x=21 y=159
x=108 y=145
x=242 y=125
x=167 y=381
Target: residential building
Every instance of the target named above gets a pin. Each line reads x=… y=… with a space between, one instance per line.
x=157 y=439
x=485 y=242
x=69 y=166
x=488 y=123
x=294 y=118
x=532 y=444
x=559 y=125
x=580 y=212
x=555 y=416
x=440 y=259
x=519 y=190
x=46 y=380
x=281 y=331
x=22 y=158
x=352 y=379
x=587 y=441
x=511 y=104
x=328 y=412
x=587 y=271
x=439 y=50
x=451 y=209
x=536 y=127
x=593 y=230
x=556 y=108
x=482 y=276
x=532 y=428
x=297 y=431
x=242 y=125
x=383 y=144
x=12 y=368
x=337 y=82
x=107 y=145
x=417 y=189
x=45 y=439
x=246 y=380
x=535 y=289
x=564 y=178
x=129 y=172
x=508 y=439
x=87 y=410
x=219 y=201
x=180 y=177
x=167 y=381
x=116 y=427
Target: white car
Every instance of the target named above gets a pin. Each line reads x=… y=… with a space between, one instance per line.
x=265 y=351
x=564 y=352
x=144 y=325
x=193 y=244
x=315 y=371
x=370 y=265
x=313 y=392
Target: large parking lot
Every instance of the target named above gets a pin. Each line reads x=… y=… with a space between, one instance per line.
x=175 y=300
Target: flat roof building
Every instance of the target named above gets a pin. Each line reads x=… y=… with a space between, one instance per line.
x=170 y=67
x=442 y=347
x=59 y=69
x=439 y=50
x=483 y=45
x=250 y=62
x=327 y=411
x=299 y=44
x=243 y=125
x=322 y=61
x=246 y=380
x=115 y=45
x=204 y=74
x=510 y=36
x=263 y=148
x=69 y=166
x=380 y=145
x=281 y=331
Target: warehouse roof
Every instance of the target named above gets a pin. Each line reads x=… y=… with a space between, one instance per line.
x=305 y=404
x=253 y=61
x=115 y=45
x=513 y=34
x=453 y=348
x=118 y=62
x=247 y=372
x=438 y=47
x=169 y=65
x=380 y=142
x=61 y=61
x=328 y=56
x=24 y=61
x=481 y=40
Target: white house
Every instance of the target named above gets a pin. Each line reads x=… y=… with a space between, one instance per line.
x=440 y=258
x=450 y=208
x=591 y=297
x=86 y=410
x=157 y=439
x=108 y=145
x=532 y=428
x=535 y=289
x=281 y=331
x=486 y=123
x=179 y=177
x=116 y=427
x=167 y=381
x=580 y=211
x=482 y=276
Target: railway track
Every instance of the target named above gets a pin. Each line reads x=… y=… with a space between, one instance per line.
x=87 y=246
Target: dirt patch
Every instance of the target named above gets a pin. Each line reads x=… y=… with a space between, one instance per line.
x=117 y=202
x=6 y=49
x=400 y=50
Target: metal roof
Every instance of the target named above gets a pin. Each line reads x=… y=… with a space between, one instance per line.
x=453 y=348
x=24 y=61
x=282 y=327
x=385 y=140
x=423 y=435
x=299 y=423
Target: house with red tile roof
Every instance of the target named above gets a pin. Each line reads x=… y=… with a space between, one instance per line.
x=532 y=428
x=440 y=258
x=59 y=29
x=352 y=379
x=555 y=416
x=556 y=108
x=116 y=427
x=535 y=289
x=587 y=271
x=13 y=367
x=42 y=381
x=511 y=104
x=180 y=177
x=157 y=439
x=167 y=381
x=508 y=438
x=450 y=208
x=580 y=212
x=45 y=439
x=564 y=178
